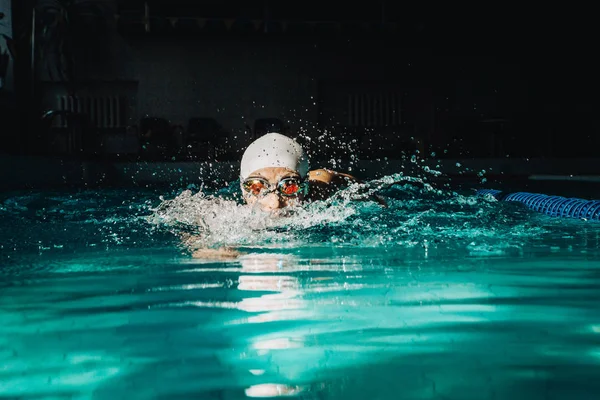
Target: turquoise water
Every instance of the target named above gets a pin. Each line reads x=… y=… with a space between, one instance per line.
x=440 y=296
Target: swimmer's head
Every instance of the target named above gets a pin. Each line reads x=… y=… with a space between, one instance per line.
x=278 y=165
x=274 y=150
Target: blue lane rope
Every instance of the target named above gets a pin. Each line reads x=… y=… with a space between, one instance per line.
x=555 y=206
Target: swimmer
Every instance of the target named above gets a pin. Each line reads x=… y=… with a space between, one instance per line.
x=275 y=174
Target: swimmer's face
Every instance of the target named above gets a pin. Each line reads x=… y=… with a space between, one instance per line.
x=274 y=199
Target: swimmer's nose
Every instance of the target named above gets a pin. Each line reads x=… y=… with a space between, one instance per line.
x=270 y=202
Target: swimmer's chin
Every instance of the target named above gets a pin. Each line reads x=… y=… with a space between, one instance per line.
x=279 y=212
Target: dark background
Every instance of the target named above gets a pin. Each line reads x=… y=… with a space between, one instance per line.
x=197 y=80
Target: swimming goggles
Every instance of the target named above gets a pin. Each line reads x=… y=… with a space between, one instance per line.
x=287 y=187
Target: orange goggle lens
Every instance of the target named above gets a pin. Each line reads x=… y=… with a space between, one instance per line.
x=288 y=187
x=255 y=186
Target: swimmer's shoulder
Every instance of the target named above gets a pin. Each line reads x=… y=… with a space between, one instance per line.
x=325 y=182
x=331 y=177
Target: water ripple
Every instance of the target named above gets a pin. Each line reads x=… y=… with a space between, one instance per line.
x=444 y=296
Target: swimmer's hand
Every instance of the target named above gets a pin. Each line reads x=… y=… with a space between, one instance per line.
x=195 y=246
x=216 y=254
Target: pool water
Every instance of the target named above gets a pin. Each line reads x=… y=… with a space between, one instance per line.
x=439 y=296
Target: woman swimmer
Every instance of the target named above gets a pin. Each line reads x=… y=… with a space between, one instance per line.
x=274 y=174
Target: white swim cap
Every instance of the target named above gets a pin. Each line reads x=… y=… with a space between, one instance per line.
x=274 y=150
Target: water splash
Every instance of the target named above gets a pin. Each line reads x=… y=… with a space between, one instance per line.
x=418 y=213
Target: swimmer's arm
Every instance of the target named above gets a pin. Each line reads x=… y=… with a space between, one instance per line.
x=327 y=181
x=192 y=243
x=216 y=254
